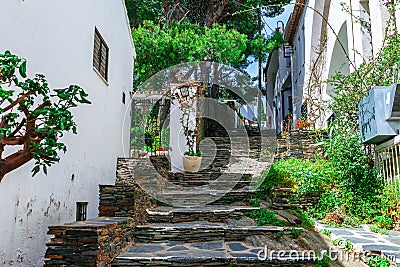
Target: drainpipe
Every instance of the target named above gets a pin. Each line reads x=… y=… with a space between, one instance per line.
x=259 y=102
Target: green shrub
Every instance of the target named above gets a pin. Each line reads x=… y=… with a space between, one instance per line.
x=345 y=181
x=323 y=261
x=278 y=175
x=306 y=221
x=326 y=232
x=266 y=217
x=294 y=232
x=307 y=177
x=279 y=234
x=378 y=261
x=390 y=203
x=378 y=230
x=383 y=222
x=343 y=243
x=254 y=202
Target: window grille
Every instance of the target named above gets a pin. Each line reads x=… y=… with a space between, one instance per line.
x=81 y=211
x=100 y=55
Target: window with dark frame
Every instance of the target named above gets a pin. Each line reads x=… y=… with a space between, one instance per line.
x=100 y=55
x=81 y=211
x=304 y=111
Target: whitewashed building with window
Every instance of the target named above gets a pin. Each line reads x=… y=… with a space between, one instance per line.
x=323 y=37
x=87 y=43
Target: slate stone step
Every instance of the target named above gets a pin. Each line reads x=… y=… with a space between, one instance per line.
x=211 y=213
x=213 y=179
x=199 y=196
x=220 y=184
x=215 y=253
x=199 y=232
x=204 y=175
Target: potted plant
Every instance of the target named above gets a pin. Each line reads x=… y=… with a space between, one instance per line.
x=187 y=97
x=192 y=161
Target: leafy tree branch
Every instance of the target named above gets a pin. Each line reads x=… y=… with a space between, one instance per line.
x=33 y=117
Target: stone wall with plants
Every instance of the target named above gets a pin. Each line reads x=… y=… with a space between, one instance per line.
x=287 y=198
x=298 y=144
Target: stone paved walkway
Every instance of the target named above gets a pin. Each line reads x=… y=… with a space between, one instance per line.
x=364 y=240
x=174 y=254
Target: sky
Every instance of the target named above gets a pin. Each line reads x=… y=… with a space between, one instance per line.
x=269 y=26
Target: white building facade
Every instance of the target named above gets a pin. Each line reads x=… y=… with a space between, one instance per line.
x=323 y=37
x=58 y=39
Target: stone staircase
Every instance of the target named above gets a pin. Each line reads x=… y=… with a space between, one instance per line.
x=187 y=232
x=199 y=218
x=153 y=217
x=202 y=236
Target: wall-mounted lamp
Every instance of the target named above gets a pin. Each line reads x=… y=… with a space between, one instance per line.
x=282 y=25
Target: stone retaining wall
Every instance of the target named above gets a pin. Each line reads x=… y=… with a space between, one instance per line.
x=124 y=201
x=125 y=171
x=90 y=243
x=298 y=144
x=127 y=168
x=285 y=198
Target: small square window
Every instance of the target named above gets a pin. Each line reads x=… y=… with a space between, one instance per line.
x=100 y=55
x=81 y=211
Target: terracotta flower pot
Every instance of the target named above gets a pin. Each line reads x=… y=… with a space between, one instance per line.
x=191 y=163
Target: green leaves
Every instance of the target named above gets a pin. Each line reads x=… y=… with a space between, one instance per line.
x=378 y=261
x=262 y=46
x=8 y=64
x=32 y=116
x=22 y=68
x=266 y=217
x=193 y=154
x=159 y=48
x=71 y=97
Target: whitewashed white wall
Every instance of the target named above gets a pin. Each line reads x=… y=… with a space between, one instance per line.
x=56 y=37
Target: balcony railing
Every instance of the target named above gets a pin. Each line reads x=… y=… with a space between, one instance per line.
x=388 y=164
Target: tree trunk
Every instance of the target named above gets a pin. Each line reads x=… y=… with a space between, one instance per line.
x=14 y=161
